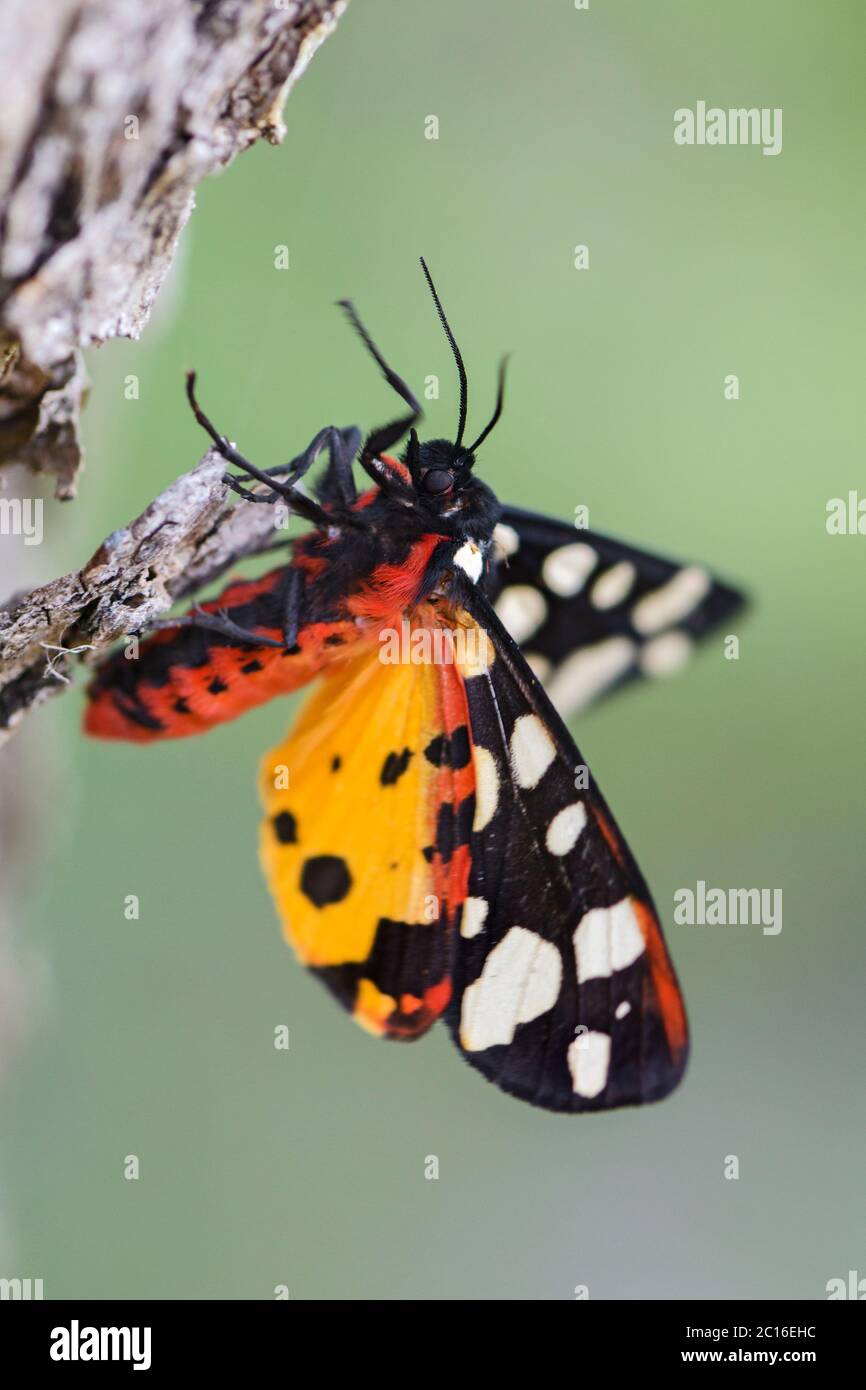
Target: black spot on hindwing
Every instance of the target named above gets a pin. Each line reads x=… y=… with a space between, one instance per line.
x=445 y=831
x=325 y=879
x=435 y=750
x=394 y=766
x=286 y=828
x=453 y=752
x=460 y=749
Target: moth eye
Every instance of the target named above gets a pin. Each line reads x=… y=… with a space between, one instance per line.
x=437 y=480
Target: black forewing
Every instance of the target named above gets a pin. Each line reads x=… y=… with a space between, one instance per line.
x=584 y=648
x=523 y=1013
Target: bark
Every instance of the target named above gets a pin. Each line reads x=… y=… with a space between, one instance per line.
x=119 y=111
x=113 y=113
x=187 y=537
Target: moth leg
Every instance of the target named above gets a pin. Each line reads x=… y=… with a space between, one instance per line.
x=271 y=498
x=336 y=488
x=378 y=442
x=383 y=438
x=218 y=622
x=337 y=484
x=342 y=445
x=298 y=501
x=294 y=589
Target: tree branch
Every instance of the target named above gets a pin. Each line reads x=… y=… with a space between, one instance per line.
x=186 y=538
x=119 y=111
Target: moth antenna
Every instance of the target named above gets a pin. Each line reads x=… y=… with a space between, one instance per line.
x=461 y=370
x=500 y=399
x=394 y=381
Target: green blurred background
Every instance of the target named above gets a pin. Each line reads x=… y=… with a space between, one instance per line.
x=306 y=1168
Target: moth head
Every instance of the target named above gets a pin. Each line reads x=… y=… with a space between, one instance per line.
x=433 y=480
x=441 y=470
x=438 y=468
x=459 y=457
x=448 y=496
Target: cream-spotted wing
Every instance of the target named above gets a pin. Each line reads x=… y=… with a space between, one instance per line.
x=564 y=993
x=590 y=613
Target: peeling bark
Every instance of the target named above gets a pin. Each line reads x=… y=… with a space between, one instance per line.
x=186 y=538
x=119 y=111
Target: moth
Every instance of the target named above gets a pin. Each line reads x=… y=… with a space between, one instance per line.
x=433 y=840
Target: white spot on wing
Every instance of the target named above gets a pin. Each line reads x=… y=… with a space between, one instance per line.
x=672 y=602
x=607 y=939
x=522 y=610
x=519 y=982
x=486 y=786
x=614 y=585
x=474 y=916
x=539 y=664
x=622 y=1009
x=585 y=674
x=470 y=560
x=589 y=1063
x=564 y=829
x=506 y=539
x=666 y=654
x=566 y=570
x=532 y=750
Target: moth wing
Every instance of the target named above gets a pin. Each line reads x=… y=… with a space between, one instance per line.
x=564 y=994
x=185 y=680
x=361 y=843
x=591 y=614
